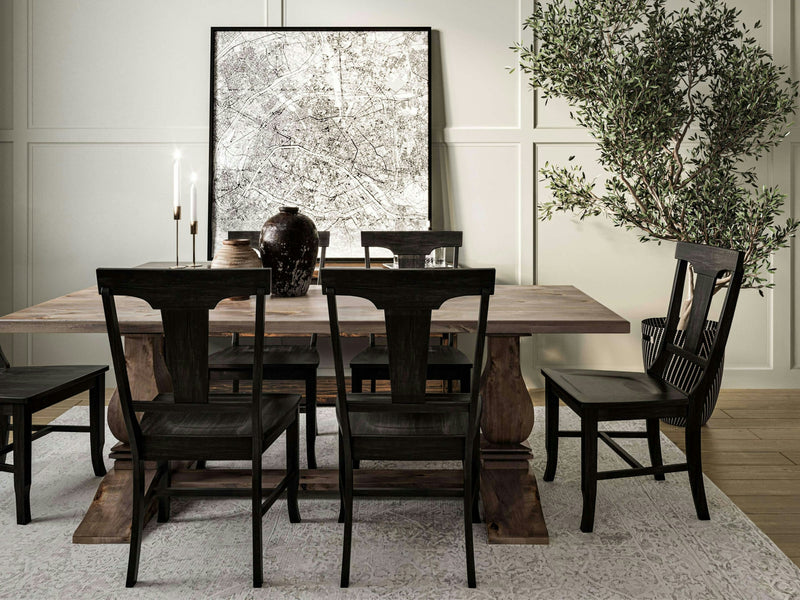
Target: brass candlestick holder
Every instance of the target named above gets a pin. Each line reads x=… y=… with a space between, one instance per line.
x=193 y=231
x=176 y=214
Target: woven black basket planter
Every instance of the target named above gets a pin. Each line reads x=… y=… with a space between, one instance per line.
x=681 y=373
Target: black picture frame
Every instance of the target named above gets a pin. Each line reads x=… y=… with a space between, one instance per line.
x=228 y=209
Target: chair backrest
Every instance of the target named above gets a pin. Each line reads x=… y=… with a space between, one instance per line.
x=710 y=265
x=407 y=297
x=184 y=298
x=4 y=364
x=411 y=247
x=324 y=242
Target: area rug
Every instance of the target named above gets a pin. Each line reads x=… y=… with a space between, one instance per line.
x=647 y=542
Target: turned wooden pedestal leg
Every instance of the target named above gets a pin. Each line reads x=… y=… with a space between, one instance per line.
x=108 y=519
x=508 y=487
x=148 y=377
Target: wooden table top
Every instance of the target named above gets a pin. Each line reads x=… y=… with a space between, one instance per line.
x=514 y=309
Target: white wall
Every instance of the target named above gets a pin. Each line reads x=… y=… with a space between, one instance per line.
x=6 y=166
x=96 y=94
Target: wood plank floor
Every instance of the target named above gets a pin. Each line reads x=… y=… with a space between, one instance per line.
x=767 y=426
x=751 y=450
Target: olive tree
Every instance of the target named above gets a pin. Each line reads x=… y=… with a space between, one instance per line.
x=682 y=103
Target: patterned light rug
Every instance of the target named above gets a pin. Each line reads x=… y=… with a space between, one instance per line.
x=647 y=541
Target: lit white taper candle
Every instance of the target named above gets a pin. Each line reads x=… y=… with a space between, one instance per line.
x=193 y=199
x=176 y=179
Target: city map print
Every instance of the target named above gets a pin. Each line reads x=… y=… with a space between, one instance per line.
x=335 y=122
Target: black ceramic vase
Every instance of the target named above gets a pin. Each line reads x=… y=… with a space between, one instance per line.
x=289 y=243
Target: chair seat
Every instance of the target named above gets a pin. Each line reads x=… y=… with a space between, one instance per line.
x=19 y=385
x=274 y=410
x=605 y=389
x=453 y=421
x=437 y=356
x=380 y=435
x=241 y=357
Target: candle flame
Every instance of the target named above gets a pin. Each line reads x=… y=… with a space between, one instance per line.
x=176 y=154
x=194 y=177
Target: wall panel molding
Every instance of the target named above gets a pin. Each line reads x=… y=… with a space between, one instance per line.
x=6 y=65
x=792 y=15
x=6 y=236
x=273 y=13
x=794 y=264
x=155 y=135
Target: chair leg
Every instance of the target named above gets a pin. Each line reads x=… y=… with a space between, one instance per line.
x=694 y=460
x=258 y=547
x=551 y=432
x=235 y=386
x=356 y=383
x=654 y=444
x=465 y=384
x=293 y=469
x=137 y=523
x=340 y=519
x=588 y=470
x=347 y=498
x=200 y=464
x=372 y=386
x=22 y=463
x=476 y=479
x=468 y=542
x=164 y=502
x=97 y=426
x=4 y=430
x=311 y=420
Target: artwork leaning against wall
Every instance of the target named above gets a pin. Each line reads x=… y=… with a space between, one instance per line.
x=333 y=121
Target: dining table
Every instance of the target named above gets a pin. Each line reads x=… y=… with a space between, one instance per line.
x=509 y=493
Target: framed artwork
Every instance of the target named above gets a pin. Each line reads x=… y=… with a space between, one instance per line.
x=333 y=121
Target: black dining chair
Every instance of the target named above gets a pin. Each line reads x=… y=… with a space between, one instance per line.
x=26 y=390
x=445 y=362
x=287 y=363
x=598 y=396
x=408 y=424
x=190 y=423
